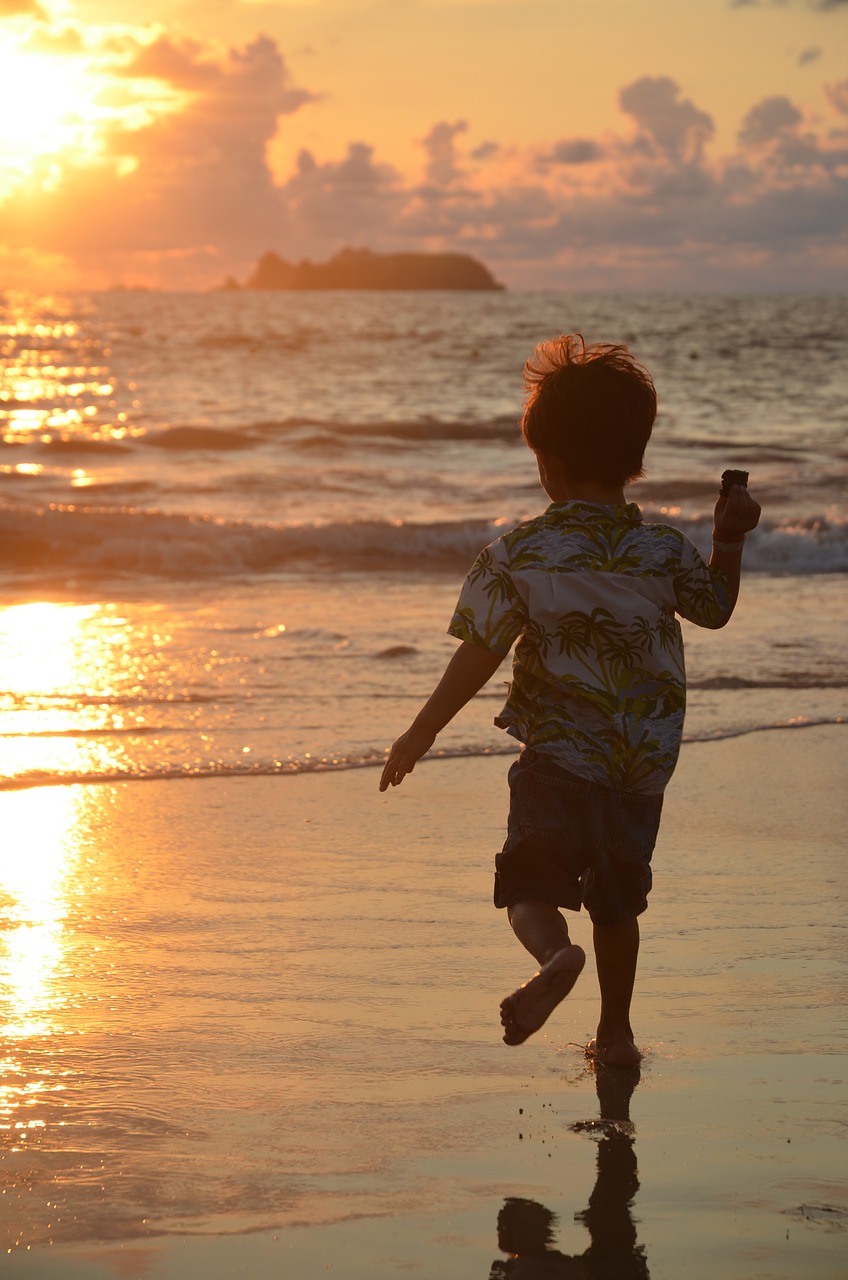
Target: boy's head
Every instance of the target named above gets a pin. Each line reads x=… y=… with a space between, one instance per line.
x=591 y=407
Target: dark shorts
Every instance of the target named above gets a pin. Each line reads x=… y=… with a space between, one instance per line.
x=573 y=842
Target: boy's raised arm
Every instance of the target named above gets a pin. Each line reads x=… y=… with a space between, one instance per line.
x=735 y=515
x=468 y=670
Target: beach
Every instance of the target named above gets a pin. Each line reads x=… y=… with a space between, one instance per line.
x=249 y=1004
x=254 y=1031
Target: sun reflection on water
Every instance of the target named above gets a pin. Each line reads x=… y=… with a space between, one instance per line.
x=38 y=878
x=56 y=382
x=40 y=852
x=107 y=691
x=41 y=645
x=62 y=665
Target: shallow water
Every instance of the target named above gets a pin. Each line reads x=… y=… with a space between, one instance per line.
x=251 y=1023
x=245 y=1008
x=282 y=677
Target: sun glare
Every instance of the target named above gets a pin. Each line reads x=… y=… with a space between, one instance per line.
x=47 y=105
x=57 y=661
x=41 y=646
x=40 y=850
x=56 y=107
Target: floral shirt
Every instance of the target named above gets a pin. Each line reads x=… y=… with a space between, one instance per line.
x=590 y=594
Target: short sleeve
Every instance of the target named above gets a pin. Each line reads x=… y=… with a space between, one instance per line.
x=701 y=593
x=490 y=612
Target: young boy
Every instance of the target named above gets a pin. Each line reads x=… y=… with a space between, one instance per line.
x=589 y=592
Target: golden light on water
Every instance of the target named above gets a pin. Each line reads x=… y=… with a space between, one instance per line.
x=40 y=853
x=55 y=384
x=41 y=643
x=62 y=670
x=43 y=652
x=42 y=877
x=60 y=667
x=97 y=691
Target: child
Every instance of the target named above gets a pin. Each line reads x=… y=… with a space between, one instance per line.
x=598 y=692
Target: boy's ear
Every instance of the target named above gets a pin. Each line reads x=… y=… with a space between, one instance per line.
x=550 y=466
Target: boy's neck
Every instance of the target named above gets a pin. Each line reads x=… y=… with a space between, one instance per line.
x=560 y=488
x=588 y=492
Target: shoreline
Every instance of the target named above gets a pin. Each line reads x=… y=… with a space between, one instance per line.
x=321 y=768
x=269 y=1035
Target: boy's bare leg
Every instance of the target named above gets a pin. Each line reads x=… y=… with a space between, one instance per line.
x=616 y=954
x=542 y=930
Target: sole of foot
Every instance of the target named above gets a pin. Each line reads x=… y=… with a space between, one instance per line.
x=528 y=1008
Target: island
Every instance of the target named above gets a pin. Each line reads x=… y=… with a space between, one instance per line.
x=363 y=269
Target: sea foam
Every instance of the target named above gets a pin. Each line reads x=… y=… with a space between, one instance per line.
x=53 y=541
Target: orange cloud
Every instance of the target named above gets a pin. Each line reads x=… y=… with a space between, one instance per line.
x=180 y=64
x=440 y=145
x=194 y=178
x=837 y=96
x=61 y=41
x=20 y=8
x=179 y=189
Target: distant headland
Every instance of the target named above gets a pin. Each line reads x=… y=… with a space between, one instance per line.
x=362 y=269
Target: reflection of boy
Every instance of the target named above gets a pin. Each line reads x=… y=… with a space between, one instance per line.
x=526 y=1229
x=526 y=1233
x=589 y=593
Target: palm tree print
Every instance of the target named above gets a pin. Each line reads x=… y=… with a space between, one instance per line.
x=590 y=595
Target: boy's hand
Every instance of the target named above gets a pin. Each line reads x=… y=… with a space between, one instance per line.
x=408 y=749
x=468 y=670
x=735 y=515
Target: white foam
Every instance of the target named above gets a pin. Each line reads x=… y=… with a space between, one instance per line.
x=56 y=540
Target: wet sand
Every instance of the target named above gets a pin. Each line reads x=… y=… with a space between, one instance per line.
x=252 y=1030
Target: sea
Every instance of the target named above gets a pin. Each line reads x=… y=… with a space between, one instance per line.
x=249 y=1027
x=233 y=526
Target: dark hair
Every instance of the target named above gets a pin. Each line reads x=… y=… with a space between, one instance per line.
x=592 y=407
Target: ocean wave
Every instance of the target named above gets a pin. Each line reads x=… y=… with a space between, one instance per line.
x=306 y=432
x=296 y=433
x=65 y=445
x=428 y=429
x=340 y=763
x=201 y=439
x=51 y=541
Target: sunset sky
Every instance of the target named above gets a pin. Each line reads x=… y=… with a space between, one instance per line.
x=611 y=144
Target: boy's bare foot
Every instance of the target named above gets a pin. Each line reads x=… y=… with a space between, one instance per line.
x=528 y=1008
x=617 y=1050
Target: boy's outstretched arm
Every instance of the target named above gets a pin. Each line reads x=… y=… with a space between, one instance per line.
x=468 y=670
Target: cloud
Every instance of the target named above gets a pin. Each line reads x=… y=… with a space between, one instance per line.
x=646 y=207
x=675 y=125
x=186 y=197
x=485 y=151
x=20 y=8
x=62 y=40
x=349 y=201
x=574 y=151
x=196 y=177
x=837 y=96
x=180 y=64
x=440 y=146
x=768 y=119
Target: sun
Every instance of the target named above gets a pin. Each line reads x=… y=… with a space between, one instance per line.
x=48 y=106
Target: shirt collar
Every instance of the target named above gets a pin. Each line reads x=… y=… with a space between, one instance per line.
x=577 y=509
